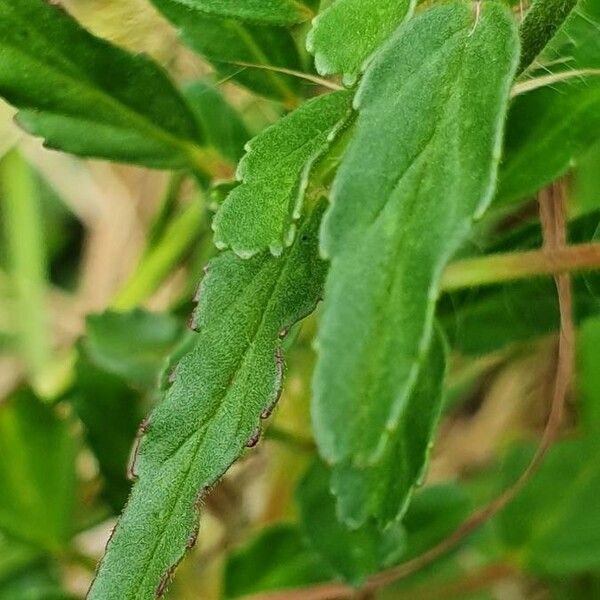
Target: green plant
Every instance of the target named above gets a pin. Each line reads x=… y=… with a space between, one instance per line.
x=395 y=180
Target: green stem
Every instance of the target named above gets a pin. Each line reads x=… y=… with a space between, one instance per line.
x=27 y=262
x=182 y=233
x=166 y=209
x=500 y=268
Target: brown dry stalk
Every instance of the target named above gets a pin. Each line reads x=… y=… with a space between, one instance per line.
x=552 y=214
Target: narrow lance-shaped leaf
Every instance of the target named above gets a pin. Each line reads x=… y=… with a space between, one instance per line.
x=228 y=44
x=87 y=97
x=260 y=213
x=221 y=389
x=272 y=12
x=345 y=35
x=421 y=166
x=542 y=21
x=382 y=491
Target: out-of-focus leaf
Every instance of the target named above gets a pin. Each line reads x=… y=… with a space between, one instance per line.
x=276 y=559
x=588 y=376
x=222 y=126
x=220 y=390
x=421 y=165
x=111 y=412
x=553 y=526
x=347 y=33
x=87 y=97
x=27 y=575
x=549 y=128
x=132 y=345
x=226 y=43
x=352 y=553
x=382 y=491
x=273 y=12
x=37 y=473
x=261 y=213
x=120 y=352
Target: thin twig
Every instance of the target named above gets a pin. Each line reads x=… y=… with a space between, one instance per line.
x=546 y=80
x=299 y=74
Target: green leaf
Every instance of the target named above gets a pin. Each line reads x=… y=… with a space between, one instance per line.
x=542 y=21
x=226 y=43
x=88 y=97
x=37 y=473
x=550 y=128
x=421 y=165
x=222 y=126
x=272 y=12
x=132 y=345
x=111 y=412
x=383 y=490
x=347 y=33
x=588 y=359
x=353 y=553
x=277 y=559
x=261 y=213
x=553 y=526
x=221 y=389
x=434 y=513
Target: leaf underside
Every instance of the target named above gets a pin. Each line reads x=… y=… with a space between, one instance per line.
x=383 y=491
x=421 y=166
x=98 y=100
x=260 y=213
x=345 y=35
x=221 y=389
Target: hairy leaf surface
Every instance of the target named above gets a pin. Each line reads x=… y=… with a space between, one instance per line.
x=542 y=21
x=421 y=165
x=87 y=97
x=260 y=213
x=227 y=43
x=550 y=128
x=273 y=12
x=221 y=389
x=383 y=490
x=345 y=35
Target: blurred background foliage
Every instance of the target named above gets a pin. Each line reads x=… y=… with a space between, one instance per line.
x=98 y=265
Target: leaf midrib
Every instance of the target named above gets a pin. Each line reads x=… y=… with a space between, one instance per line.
x=218 y=407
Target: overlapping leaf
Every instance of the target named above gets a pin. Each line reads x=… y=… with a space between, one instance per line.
x=85 y=96
x=382 y=491
x=230 y=44
x=551 y=127
x=260 y=213
x=273 y=12
x=212 y=411
x=421 y=165
x=352 y=553
x=345 y=35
